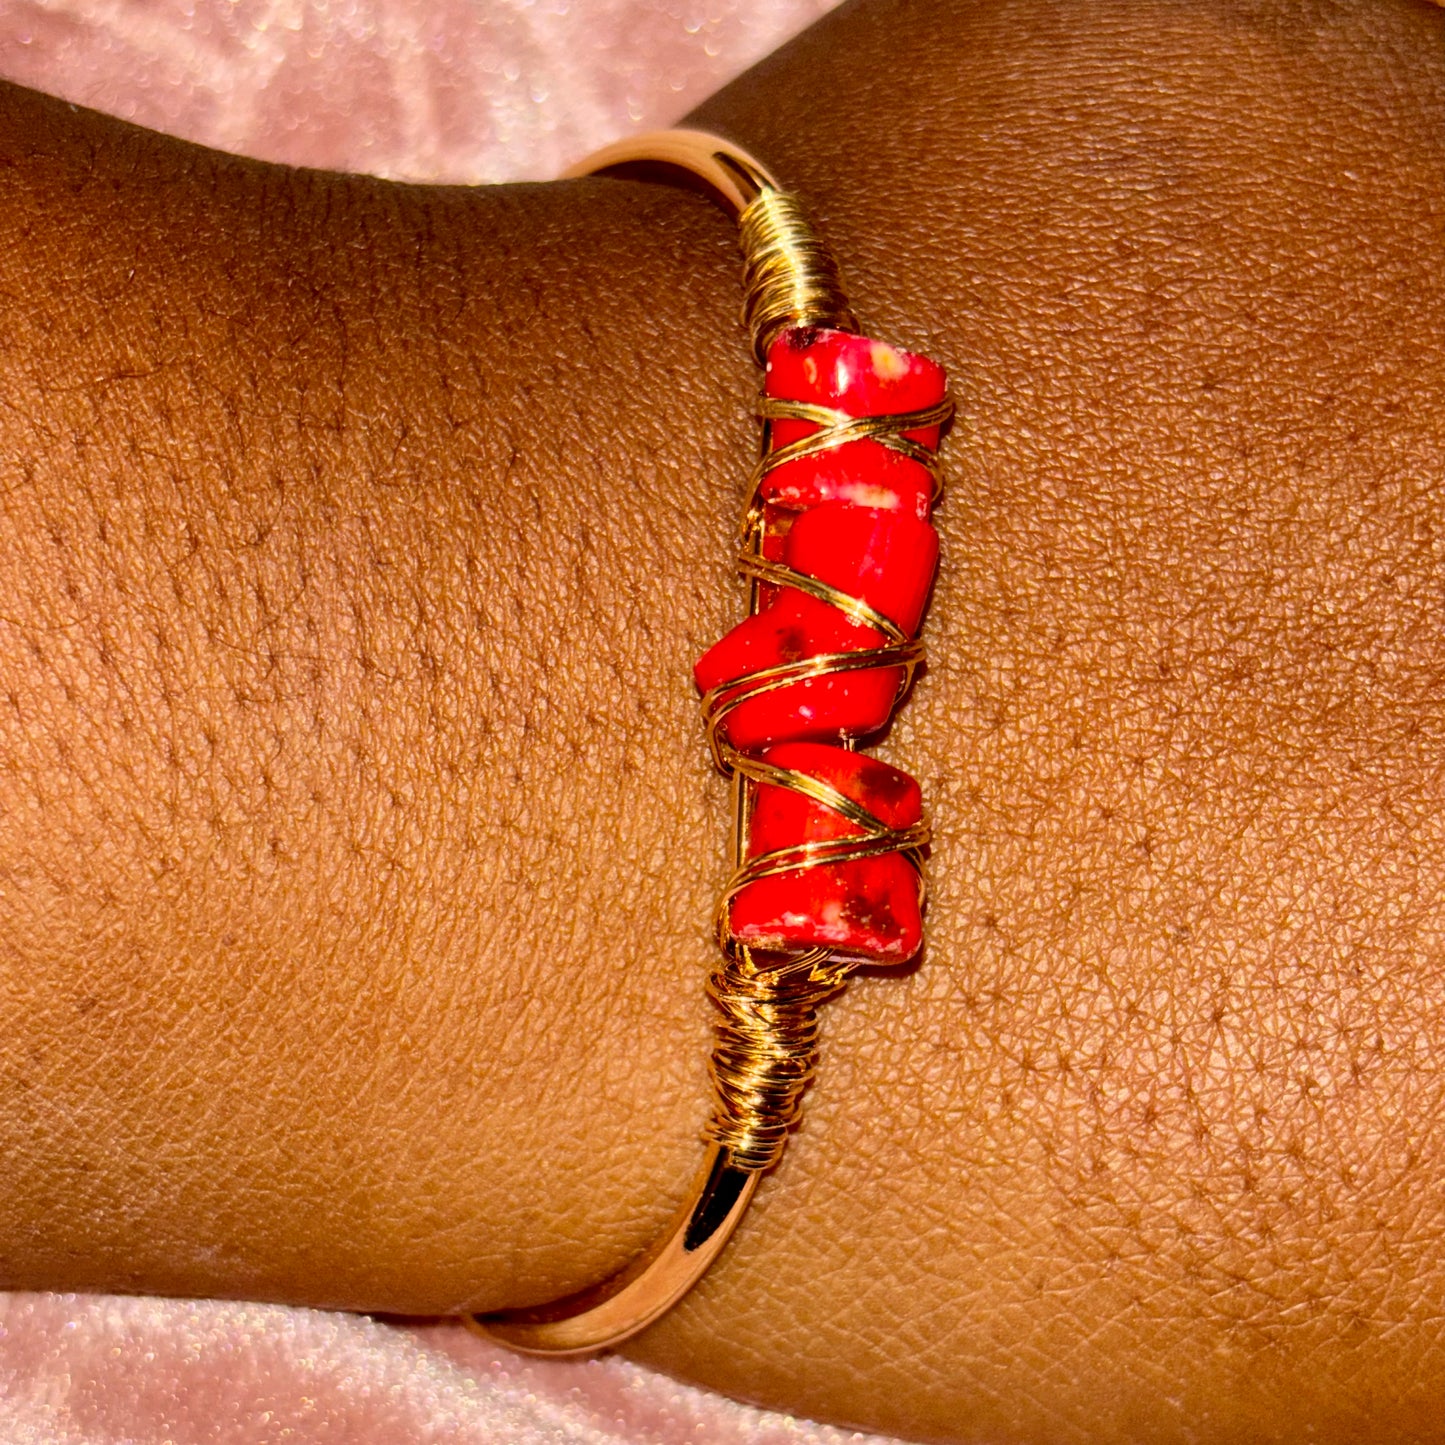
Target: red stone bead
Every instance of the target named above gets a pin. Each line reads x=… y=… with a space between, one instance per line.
x=841 y=704
x=863 y=378
x=885 y=558
x=866 y=909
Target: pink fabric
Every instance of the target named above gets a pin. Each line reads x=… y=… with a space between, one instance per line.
x=460 y=90
x=457 y=90
x=91 y=1370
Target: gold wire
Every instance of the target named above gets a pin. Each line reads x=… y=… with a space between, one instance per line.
x=790 y=277
x=765 y=1052
x=718 y=702
x=873 y=838
x=779 y=574
x=838 y=429
x=901 y=651
x=767 y=1034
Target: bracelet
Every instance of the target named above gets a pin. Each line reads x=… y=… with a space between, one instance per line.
x=828 y=842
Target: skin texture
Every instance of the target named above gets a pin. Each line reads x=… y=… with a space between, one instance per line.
x=359 y=846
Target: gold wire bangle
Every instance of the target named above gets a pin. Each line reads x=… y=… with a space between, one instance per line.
x=767 y=1035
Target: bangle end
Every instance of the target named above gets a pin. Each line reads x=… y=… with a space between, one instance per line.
x=605 y=1314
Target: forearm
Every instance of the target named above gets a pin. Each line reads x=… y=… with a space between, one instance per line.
x=341 y=787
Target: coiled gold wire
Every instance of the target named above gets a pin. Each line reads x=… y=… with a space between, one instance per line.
x=765 y=1053
x=790 y=277
x=766 y=1047
x=899 y=651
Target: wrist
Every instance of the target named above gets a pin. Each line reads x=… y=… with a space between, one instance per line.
x=379 y=581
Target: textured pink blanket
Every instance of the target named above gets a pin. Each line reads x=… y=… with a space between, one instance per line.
x=460 y=90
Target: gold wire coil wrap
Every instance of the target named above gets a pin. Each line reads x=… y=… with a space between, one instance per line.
x=767 y=1002
x=789 y=277
x=766 y=1050
x=722 y=699
x=767 y=1036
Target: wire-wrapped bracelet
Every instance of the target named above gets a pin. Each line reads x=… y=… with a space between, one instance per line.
x=840 y=557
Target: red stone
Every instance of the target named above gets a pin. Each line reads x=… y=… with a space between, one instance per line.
x=886 y=558
x=867 y=909
x=863 y=378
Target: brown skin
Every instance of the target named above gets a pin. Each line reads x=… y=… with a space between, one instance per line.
x=358 y=846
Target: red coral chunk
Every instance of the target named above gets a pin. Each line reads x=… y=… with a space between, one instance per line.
x=867 y=909
x=886 y=559
x=862 y=378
